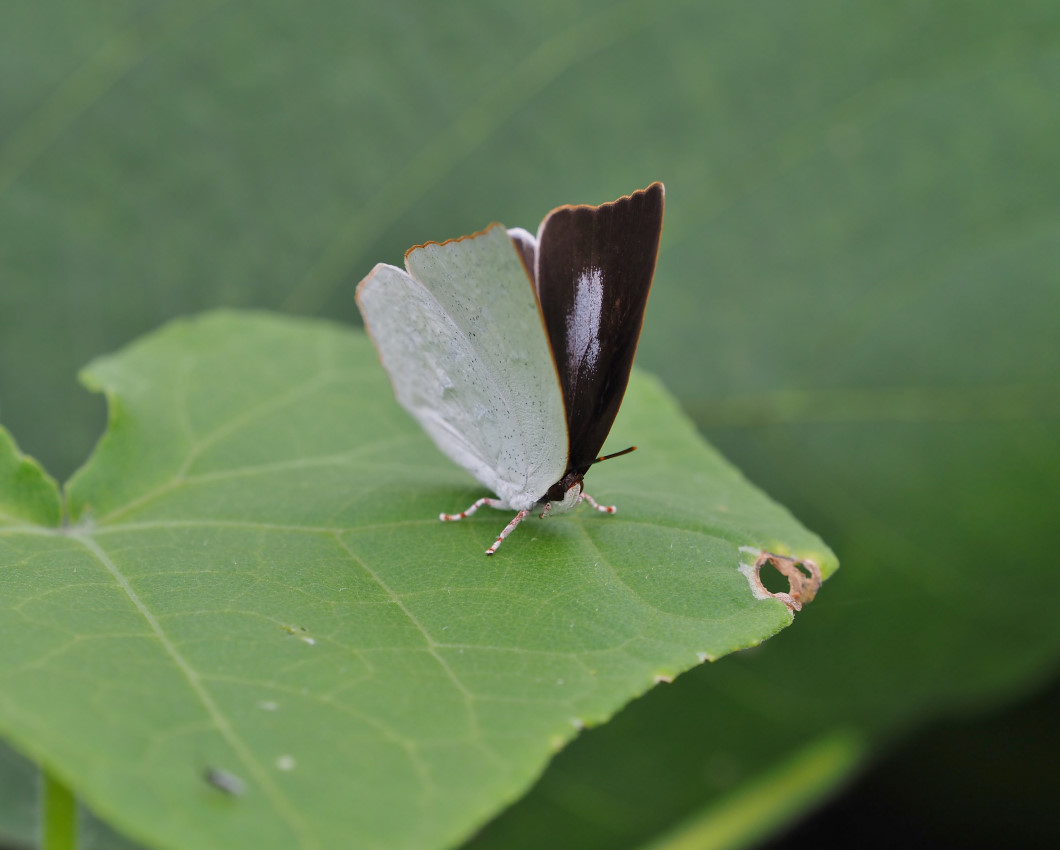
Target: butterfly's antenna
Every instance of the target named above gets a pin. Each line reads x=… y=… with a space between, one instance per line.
x=616 y=454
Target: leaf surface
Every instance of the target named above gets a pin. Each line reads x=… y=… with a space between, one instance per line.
x=254 y=581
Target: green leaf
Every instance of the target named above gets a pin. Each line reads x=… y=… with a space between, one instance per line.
x=27 y=493
x=856 y=295
x=255 y=584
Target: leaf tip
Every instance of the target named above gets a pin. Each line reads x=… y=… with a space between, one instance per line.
x=27 y=491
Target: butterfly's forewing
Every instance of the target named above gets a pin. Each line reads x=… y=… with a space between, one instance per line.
x=594 y=267
x=461 y=337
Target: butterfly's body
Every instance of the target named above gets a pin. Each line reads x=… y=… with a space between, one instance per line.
x=513 y=352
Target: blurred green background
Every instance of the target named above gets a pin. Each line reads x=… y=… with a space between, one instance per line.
x=857 y=299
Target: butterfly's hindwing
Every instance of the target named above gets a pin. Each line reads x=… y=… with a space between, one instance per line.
x=461 y=337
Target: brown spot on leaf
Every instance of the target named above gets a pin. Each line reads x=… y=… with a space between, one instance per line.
x=804 y=579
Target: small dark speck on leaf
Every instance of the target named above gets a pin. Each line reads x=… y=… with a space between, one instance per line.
x=224 y=781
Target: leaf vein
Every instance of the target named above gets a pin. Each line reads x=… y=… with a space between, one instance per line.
x=282 y=804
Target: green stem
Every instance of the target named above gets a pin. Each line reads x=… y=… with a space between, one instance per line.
x=757 y=809
x=58 y=823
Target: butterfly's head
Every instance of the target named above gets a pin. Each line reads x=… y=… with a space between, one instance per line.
x=564 y=495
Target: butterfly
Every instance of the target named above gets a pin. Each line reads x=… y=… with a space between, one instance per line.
x=513 y=351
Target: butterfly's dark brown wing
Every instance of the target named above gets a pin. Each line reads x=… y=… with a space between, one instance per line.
x=594 y=268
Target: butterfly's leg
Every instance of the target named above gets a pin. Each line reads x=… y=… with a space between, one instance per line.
x=508 y=529
x=544 y=513
x=604 y=509
x=493 y=503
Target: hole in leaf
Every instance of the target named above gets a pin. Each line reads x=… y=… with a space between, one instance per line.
x=791 y=581
x=773 y=579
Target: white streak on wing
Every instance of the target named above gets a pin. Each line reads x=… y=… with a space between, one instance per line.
x=583 y=323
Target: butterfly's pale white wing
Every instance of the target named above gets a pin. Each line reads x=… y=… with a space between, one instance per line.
x=463 y=341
